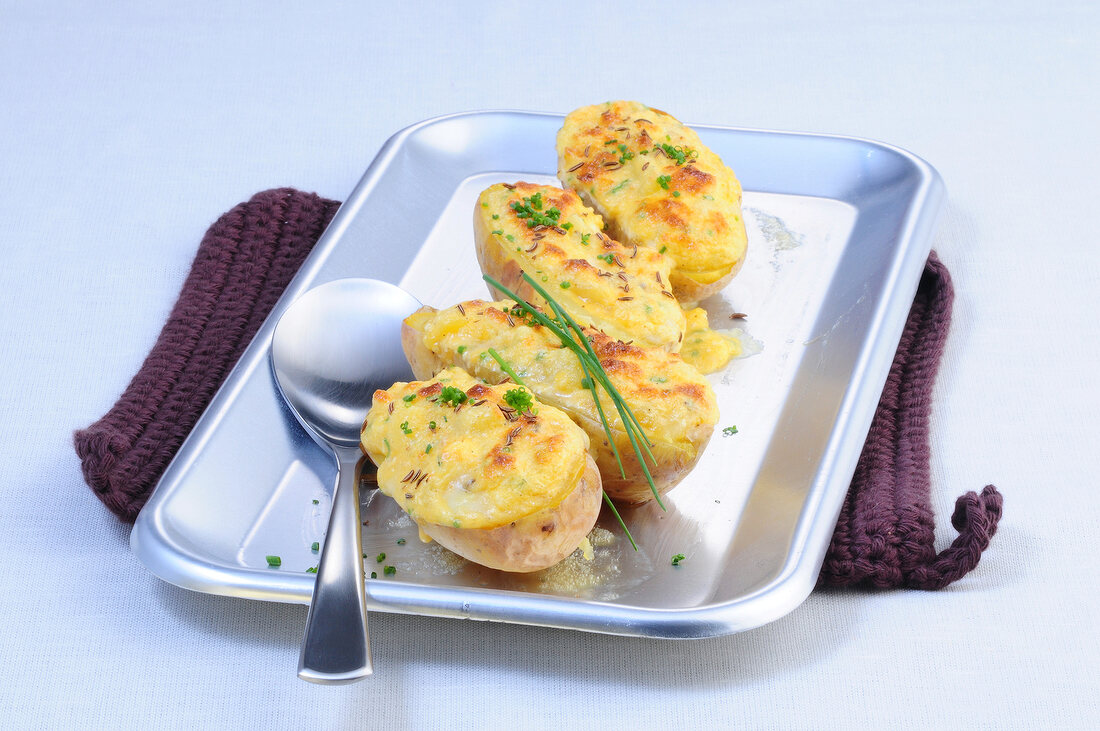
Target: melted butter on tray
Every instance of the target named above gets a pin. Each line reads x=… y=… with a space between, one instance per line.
x=593 y=571
x=706 y=349
x=582 y=570
x=776 y=232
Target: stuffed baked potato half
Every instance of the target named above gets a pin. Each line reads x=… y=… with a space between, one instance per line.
x=549 y=234
x=509 y=488
x=673 y=402
x=657 y=185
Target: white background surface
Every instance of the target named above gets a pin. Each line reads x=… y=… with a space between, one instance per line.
x=125 y=130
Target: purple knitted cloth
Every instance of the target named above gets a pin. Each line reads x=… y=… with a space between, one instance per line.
x=885 y=535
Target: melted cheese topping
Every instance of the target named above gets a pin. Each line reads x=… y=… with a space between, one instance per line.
x=471 y=466
x=671 y=399
x=708 y=350
x=613 y=155
x=623 y=290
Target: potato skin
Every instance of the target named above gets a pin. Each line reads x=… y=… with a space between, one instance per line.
x=622 y=290
x=422 y=360
x=674 y=403
x=532 y=543
x=613 y=155
x=513 y=490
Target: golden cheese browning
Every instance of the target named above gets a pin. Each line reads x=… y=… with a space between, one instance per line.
x=551 y=235
x=674 y=403
x=452 y=452
x=656 y=185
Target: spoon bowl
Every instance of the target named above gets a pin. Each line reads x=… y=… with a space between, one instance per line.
x=332 y=349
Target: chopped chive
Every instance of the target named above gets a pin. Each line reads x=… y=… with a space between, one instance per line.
x=584 y=239
x=679 y=154
x=662 y=250
x=461 y=349
x=498 y=232
x=374 y=574
x=619 y=187
x=400 y=541
x=677 y=559
x=311 y=570
x=663 y=181
x=381 y=557
x=485 y=204
x=451 y=395
x=729 y=431
x=564 y=285
x=389 y=570
x=531 y=211
x=315 y=547
x=427 y=449
x=518 y=399
x=567 y=226
x=675 y=194
x=316 y=502
x=496 y=216
x=409 y=399
x=274 y=561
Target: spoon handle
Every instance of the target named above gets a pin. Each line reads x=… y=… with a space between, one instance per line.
x=336 y=648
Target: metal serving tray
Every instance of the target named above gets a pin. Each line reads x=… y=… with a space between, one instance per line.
x=839 y=230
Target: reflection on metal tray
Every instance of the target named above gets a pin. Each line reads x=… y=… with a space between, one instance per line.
x=839 y=229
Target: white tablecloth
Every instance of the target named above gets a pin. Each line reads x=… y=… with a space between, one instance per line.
x=125 y=129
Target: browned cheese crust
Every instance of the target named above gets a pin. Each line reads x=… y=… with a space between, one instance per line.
x=513 y=490
x=657 y=185
x=674 y=403
x=622 y=290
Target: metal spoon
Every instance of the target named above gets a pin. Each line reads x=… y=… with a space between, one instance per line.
x=332 y=348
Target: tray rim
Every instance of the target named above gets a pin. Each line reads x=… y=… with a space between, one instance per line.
x=169 y=557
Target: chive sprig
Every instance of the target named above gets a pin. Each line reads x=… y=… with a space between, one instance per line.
x=572 y=337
